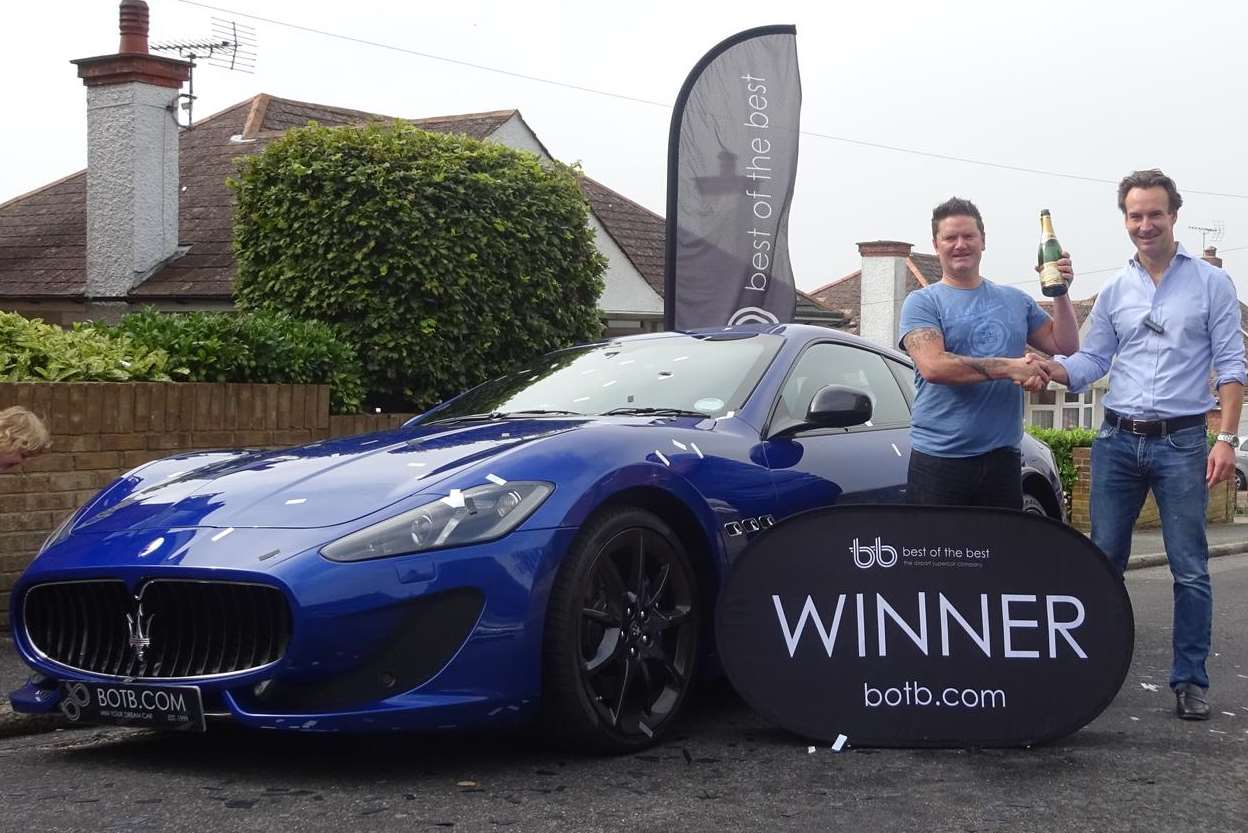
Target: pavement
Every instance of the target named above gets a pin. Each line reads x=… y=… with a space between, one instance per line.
x=1147 y=550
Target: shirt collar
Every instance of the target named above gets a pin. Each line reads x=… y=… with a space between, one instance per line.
x=1179 y=252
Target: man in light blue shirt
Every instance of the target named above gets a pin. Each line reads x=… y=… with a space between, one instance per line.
x=1158 y=328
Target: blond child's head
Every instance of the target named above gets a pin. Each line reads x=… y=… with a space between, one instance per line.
x=22 y=435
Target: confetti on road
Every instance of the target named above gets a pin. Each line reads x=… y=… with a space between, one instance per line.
x=840 y=743
x=810 y=750
x=1135 y=718
x=1230 y=714
x=1149 y=686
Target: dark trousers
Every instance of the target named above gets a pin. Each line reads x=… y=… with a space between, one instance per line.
x=991 y=479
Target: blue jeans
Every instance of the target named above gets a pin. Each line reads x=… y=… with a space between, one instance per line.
x=1124 y=467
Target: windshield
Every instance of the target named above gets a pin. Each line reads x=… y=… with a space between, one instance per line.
x=708 y=375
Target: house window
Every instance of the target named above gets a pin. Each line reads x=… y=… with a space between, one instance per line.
x=1049 y=408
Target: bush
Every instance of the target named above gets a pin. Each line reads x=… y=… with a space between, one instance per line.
x=250 y=347
x=444 y=260
x=1062 y=442
x=32 y=351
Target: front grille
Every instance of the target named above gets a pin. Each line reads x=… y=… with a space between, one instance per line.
x=194 y=628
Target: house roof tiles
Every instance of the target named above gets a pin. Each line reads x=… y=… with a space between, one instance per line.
x=43 y=233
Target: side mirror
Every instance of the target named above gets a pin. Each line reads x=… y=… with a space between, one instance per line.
x=838 y=406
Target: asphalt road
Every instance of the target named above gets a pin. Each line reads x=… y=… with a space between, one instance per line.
x=1135 y=768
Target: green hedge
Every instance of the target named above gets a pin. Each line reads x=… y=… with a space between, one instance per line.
x=1063 y=441
x=443 y=259
x=32 y=351
x=267 y=347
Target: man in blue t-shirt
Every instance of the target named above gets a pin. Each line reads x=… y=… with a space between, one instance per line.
x=967 y=336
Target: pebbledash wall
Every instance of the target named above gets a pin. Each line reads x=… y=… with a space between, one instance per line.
x=100 y=430
x=1221 y=499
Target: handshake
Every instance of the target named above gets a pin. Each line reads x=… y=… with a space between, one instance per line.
x=1032 y=373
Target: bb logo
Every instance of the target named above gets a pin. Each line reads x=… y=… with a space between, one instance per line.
x=880 y=554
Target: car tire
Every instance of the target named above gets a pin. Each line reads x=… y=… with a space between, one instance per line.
x=1241 y=482
x=622 y=635
x=1033 y=506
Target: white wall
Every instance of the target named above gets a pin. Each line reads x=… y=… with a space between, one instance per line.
x=883 y=290
x=626 y=292
x=132 y=184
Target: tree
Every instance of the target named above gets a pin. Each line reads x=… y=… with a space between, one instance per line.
x=446 y=260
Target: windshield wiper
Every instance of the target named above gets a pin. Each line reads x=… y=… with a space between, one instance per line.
x=464 y=417
x=541 y=412
x=652 y=411
x=502 y=415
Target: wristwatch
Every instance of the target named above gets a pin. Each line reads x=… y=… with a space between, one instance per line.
x=1229 y=439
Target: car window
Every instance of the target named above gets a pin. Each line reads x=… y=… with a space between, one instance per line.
x=904 y=374
x=841 y=364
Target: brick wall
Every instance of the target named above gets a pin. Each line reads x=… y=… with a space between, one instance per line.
x=1221 y=499
x=100 y=430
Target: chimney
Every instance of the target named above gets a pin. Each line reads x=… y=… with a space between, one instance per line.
x=885 y=274
x=1211 y=256
x=132 y=160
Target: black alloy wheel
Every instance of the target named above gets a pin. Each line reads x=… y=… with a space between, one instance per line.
x=622 y=634
x=1240 y=482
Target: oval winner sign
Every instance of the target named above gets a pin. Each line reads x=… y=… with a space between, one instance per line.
x=925 y=626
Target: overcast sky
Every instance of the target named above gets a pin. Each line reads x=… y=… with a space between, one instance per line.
x=1092 y=90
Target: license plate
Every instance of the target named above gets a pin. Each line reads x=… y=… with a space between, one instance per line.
x=154 y=707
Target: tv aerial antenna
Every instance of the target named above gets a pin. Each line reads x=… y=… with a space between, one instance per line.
x=1209 y=234
x=231 y=47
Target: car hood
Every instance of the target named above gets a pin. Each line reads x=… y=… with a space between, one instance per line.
x=319 y=485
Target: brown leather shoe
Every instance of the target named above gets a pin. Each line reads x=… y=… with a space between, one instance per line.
x=1191 y=702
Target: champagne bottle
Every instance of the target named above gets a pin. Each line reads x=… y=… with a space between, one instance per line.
x=1052 y=283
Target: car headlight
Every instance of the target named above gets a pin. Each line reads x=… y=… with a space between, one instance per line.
x=481 y=513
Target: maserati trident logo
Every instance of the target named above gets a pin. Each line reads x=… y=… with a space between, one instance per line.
x=140 y=630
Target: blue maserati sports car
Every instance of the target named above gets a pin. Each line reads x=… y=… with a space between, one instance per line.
x=546 y=547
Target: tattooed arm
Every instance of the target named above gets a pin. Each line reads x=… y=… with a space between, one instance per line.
x=927 y=347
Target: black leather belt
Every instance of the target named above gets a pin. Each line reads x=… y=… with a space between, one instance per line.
x=1152 y=427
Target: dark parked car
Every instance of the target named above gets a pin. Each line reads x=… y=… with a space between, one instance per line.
x=547 y=546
